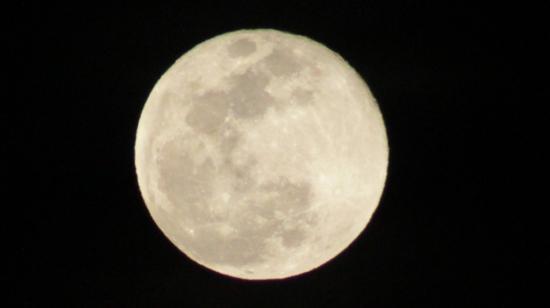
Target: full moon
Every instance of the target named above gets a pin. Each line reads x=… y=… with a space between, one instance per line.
x=261 y=154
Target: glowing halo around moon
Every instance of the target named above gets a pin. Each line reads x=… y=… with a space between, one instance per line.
x=261 y=154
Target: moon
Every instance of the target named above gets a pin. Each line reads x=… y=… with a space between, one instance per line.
x=261 y=154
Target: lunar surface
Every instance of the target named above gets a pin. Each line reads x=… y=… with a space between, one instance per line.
x=261 y=154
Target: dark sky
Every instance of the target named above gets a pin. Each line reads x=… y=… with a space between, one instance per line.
x=447 y=78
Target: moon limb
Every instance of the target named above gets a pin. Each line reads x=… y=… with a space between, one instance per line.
x=261 y=154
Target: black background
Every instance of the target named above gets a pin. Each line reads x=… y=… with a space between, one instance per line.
x=447 y=78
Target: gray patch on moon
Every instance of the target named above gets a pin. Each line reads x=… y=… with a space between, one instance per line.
x=282 y=62
x=187 y=187
x=185 y=183
x=287 y=196
x=280 y=200
x=262 y=210
x=302 y=96
x=293 y=237
x=281 y=197
x=235 y=250
x=208 y=112
x=248 y=98
x=241 y=48
x=240 y=175
x=253 y=226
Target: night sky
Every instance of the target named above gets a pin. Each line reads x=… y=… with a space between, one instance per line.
x=447 y=78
